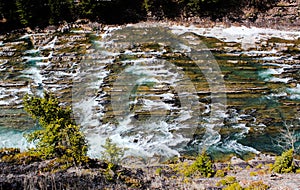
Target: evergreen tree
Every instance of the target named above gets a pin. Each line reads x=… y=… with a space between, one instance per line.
x=32 y=12
x=60 y=10
x=23 y=10
x=59 y=137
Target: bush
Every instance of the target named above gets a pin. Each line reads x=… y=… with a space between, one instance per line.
x=284 y=163
x=58 y=137
x=203 y=166
x=112 y=153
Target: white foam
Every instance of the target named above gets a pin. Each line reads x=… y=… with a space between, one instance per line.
x=240 y=34
x=253 y=52
x=43 y=63
x=283 y=80
x=294 y=92
x=10 y=138
x=50 y=45
x=80 y=31
x=267 y=75
x=233 y=145
x=25 y=36
x=273 y=58
x=38 y=58
x=32 y=51
x=85 y=111
x=33 y=73
x=144 y=141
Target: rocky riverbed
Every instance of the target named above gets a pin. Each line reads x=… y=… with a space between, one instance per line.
x=259 y=71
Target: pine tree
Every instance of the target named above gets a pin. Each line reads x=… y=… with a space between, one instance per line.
x=59 y=137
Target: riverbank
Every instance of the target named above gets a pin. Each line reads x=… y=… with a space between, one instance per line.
x=97 y=175
x=282 y=15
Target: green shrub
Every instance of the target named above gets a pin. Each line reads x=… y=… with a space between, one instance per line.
x=112 y=153
x=203 y=166
x=58 y=137
x=284 y=163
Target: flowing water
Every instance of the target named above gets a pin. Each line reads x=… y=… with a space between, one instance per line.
x=158 y=90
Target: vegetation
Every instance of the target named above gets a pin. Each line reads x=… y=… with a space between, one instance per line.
x=228 y=180
x=18 y=13
x=112 y=153
x=257 y=185
x=202 y=166
x=231 y=183
x=58 y=137
x=284 y=163
x=233 y=186
x=220 y=173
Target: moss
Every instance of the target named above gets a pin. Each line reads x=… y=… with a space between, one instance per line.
x=227 y=181
x=132 y=182
x=21 y=158
x=9 y=151
x=234 y=186
x=151 y=47
x=109 y=174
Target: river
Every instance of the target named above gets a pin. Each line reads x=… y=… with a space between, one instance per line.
x=158 y=89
